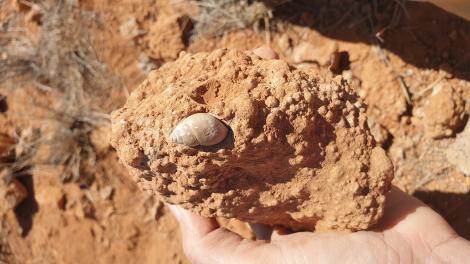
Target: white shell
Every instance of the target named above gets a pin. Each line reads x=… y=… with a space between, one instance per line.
x=199 y=129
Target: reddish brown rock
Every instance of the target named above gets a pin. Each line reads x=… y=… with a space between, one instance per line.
x=444 y=113
x=299 y=152
x=12 y=192
x=165 y=40
x=7 y=148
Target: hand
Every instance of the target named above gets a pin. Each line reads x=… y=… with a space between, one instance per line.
x=409 y=232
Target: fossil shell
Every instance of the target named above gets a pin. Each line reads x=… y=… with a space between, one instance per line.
x=199 y=129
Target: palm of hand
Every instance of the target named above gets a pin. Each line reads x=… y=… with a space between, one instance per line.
x=409 y=232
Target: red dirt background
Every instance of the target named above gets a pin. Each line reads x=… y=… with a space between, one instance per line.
x=398 y=57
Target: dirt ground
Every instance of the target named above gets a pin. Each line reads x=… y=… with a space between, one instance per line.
x=65 y=65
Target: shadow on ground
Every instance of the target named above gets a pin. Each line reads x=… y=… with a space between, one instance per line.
x=420 y=33
x=454 y=207
x=26 y=210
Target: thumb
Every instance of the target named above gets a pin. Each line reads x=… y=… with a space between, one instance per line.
x=205 y=242
x=192 y=225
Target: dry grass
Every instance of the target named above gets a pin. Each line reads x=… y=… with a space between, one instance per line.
x=219 y=16
x=61 y=63
x=328 y=16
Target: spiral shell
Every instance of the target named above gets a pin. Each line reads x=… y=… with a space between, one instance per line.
x=199 y=129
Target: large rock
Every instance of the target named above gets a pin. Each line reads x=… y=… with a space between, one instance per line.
x=444 y=112
x=299 y=152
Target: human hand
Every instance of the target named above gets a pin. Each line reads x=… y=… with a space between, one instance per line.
x=409 y=232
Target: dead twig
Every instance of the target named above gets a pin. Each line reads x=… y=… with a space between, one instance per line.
x=430 y=86
x=383 y=57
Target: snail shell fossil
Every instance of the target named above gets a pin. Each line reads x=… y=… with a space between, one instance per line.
x=199 y=129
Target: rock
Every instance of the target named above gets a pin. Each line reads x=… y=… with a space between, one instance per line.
x=147 y=64
x=53 y=196
x=61 y=201
x=307 y=52
x=85 y=208
x=3 y=103
x=130 y=29
x=22 y=6
x=444 y=113
x=156 y=210
x=170 y=30
x=12 y=191
x=284 y=42
x=237 y=226
x=458 y=154
x=99 y=138
x=7 y=149
x=299 y=153
x=107 y=192
x=380 y=133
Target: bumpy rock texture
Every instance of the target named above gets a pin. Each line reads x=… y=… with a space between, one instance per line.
x=444 y=112
x=299 y=153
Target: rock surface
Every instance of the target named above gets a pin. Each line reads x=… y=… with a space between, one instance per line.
x=12 y=192
x=299 y=153
x=458 y=153
x=444 y=113
x=169 y=30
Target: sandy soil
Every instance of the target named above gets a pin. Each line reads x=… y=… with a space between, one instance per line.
x=399 y=59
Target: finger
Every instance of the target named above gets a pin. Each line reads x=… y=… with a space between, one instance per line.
x=193 y=225
x=262 y=232
x=205 y=242
x=223 y=246
x=266 y=52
